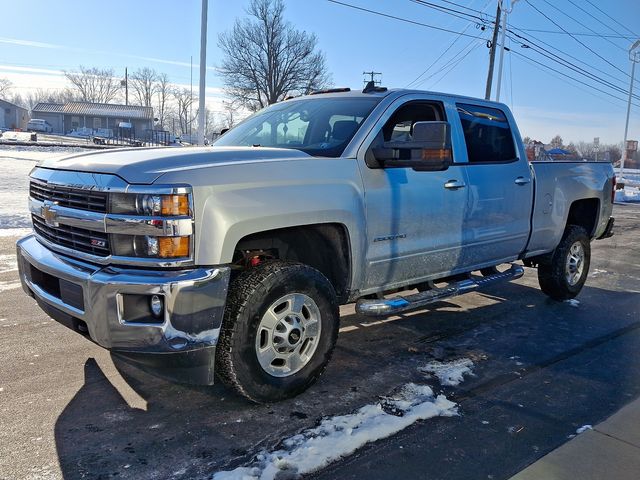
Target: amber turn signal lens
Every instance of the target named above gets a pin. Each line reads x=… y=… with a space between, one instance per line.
x=436 y=154
x=173 y=247
x=175 y=205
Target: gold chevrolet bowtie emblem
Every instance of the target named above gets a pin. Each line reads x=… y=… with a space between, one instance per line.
x=49 y=213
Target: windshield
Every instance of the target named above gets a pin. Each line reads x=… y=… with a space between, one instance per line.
x=318 y=126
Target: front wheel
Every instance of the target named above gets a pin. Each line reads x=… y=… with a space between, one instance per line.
x=563 y=272
x=279 y=329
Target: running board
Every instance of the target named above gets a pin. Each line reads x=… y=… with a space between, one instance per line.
x=389 y=306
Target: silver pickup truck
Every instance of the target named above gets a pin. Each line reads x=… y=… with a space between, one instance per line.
x=240 y=254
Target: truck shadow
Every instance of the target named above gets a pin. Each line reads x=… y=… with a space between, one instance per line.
x=190 y=432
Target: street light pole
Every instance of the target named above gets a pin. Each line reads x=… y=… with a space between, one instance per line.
x=503 y=36
x=203 y=72
x=633 y=56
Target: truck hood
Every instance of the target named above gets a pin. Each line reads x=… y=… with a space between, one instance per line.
x=146 y=165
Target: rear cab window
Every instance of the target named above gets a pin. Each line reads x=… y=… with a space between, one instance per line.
x=487 y=134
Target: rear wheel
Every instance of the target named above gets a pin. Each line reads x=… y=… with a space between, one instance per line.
x=563 y=272
x=279 y=330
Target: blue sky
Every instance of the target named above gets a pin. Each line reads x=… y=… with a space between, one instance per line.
x=40 y=38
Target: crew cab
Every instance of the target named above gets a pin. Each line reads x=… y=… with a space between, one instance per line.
x=234 y=258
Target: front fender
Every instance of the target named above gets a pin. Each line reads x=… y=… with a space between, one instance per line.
x=232 y=202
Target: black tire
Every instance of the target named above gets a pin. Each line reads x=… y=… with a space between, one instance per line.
x=250 y=295
x=553 y=268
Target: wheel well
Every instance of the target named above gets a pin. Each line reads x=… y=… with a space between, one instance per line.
x=324 y=247
x=585 y=214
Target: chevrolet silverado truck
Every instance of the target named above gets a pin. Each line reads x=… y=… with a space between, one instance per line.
x=239 y=255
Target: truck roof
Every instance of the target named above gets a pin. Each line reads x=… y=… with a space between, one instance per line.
x=396 y=92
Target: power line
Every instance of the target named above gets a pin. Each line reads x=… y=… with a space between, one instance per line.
x=593 y=34
x=549 y=55
x=572 y=78
x=594 y=17
x=453 y=65
x=609 y=16
x=566 y=63
x=553 y=48
x=455 y=40
x=400 y=19
x=451 y=11
x=550 y=71
x=577 y=40
x=582 y=24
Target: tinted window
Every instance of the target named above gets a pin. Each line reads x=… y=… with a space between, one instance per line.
x=487 y=134
x=320 y=126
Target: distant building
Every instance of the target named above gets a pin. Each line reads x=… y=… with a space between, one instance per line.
x=70 y=116
x=13 y=116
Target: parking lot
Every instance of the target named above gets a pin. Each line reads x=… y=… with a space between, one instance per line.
x=542 y=369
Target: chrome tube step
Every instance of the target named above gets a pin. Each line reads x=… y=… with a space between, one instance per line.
x=389 y=306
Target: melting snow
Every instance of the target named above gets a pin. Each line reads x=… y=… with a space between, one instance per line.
x=4 y=286
x=583 y=429
x=339 y=436
x=449 y=373
x=8 y=263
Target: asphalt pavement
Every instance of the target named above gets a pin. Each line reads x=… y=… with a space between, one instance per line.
x=543 y=369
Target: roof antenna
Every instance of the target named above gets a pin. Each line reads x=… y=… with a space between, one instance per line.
x=371 y=87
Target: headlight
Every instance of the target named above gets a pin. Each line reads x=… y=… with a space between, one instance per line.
x=149 y=204
x=146 y=246
x=166 y=235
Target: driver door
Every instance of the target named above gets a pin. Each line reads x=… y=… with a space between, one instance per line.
x=414 y=218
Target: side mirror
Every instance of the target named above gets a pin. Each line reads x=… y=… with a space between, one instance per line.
x=428 y=150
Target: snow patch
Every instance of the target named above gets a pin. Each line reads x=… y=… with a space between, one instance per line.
x=628 y=194
x=4 y=286
x=573 y=302
x=583 y=429
x=14 y=232
x=8 y=263
x=449 y=373
x=342 y=435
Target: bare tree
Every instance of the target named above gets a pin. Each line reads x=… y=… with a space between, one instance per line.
x=267 y=59
x=229 y=117
x=31 y=99
x=5 y=86
x=556 y=142
x=94 y=84
x=163 y=90
x=183 y=103
x=144 y=84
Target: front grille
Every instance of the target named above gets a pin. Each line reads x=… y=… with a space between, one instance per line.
x=69 y=197
x=80 y=239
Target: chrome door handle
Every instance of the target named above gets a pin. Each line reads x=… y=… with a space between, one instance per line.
x=454 y=185
x=522 y=181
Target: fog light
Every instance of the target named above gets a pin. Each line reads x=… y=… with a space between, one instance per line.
x=157 y=305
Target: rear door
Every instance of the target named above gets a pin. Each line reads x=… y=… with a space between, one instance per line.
x=497 y=220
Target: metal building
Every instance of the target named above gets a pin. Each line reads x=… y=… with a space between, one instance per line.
x=13 y=116
x=97 y=117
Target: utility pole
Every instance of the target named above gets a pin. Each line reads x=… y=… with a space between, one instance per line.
x=372 y=75
x=502 y=46
x=492 y=52
x=633 y=56
x=191 y=101
x=125 y=83
x=203 y=71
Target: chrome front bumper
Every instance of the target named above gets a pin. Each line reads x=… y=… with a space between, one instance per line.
x=90 y=299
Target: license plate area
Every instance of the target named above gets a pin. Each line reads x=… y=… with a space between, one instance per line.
x=67 y=292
